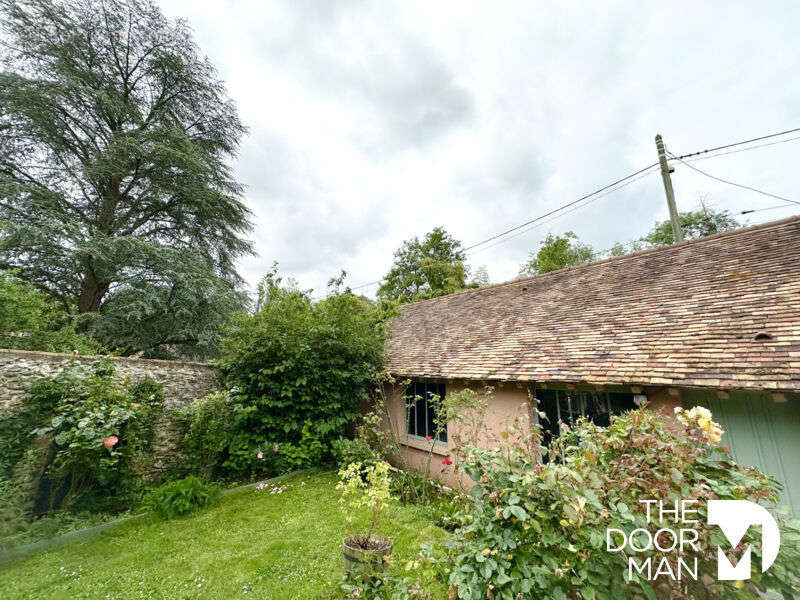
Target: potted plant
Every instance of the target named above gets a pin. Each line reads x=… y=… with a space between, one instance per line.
x=365 y=488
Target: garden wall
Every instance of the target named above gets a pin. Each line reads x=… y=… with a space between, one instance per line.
x=182 y=381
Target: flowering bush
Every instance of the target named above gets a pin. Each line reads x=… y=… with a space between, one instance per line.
x=101 y=430
x=698 y=422
x=538 y=529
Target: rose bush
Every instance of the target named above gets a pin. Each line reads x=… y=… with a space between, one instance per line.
x=100 y=432
x=537 y=528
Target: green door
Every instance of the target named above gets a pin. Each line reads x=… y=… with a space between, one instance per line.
x=760 y=432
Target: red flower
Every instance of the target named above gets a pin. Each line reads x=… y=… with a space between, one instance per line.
x=447 y=461
x=429 y=437
x=110 y=441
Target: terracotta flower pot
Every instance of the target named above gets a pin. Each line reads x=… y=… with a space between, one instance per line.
x=363 y=561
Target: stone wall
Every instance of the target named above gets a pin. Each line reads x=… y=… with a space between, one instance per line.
x=182 y=381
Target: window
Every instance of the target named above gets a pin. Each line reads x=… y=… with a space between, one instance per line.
x=566 y=406
x=420 y=415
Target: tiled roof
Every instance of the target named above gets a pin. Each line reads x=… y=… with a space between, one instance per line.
x=682 y=315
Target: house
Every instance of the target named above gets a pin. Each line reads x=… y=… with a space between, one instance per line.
x=713 y=322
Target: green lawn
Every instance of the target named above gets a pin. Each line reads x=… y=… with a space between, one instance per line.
x=252 y=544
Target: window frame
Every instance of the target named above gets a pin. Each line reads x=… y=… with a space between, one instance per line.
x=574 y=403
x=413 y=390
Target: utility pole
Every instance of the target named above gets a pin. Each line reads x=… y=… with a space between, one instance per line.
x=665 y=171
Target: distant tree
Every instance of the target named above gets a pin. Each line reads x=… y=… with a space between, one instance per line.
x=694 y=224
x=23 y=307
x=115 y=185
x=618 y=249
x=481 y=277
x=621 y=249
x=426 y=269
x=557 y=252
x=32 y=320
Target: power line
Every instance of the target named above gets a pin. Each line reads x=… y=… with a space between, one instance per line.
x=627 y=180
x=573 y=205
x=756 y=139
x=589 y=201
x=560 y=208
x=752 y=210
x=733 y=183
x=363 y=285
x=792 y=139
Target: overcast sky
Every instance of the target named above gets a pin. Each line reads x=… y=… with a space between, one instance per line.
x=372 y=122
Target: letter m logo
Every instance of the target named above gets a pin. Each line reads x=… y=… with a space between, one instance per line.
x=735 y=517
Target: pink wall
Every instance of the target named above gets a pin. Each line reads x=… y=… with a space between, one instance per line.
x=508 y=405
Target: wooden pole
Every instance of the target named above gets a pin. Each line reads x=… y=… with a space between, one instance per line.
x=673 y=210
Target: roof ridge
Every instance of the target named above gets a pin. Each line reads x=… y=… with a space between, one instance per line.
x=668 y=248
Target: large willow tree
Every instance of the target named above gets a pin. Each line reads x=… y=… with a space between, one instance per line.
x=115 y=190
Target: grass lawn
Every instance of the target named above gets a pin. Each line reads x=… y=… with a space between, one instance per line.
x=251 y=544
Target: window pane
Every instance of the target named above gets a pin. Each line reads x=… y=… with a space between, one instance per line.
x=422 y=413
x=411 y=416
x=431 y=418
x=412 y=419
x=420 y=409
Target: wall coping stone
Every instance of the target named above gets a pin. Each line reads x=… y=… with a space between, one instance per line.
x=122 y=359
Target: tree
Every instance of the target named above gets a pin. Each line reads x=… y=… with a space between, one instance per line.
x=694 y=224
x=557 y=252
x=115 y=136
x=186 y=313
x=32 y=320
x=24 y=308
x=426 y=269
x=481 y=277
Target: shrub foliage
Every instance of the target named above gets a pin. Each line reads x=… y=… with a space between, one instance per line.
x=84 y=436
x=298 y=372
x=181 y=497
x=538 y=529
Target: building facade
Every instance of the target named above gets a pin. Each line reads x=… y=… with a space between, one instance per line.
x=713 y=322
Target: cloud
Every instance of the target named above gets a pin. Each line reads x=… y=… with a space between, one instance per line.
x=372 y=122
x=359 y=55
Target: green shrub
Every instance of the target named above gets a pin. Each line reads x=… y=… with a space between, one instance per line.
x=208 y=435
x=17 y=424
x=32 y=320
x=538 y=530
x=298 y=372
x=13 y=509
x=102 y=432
x=181 y=497
x=346 y=452
x=64 y=340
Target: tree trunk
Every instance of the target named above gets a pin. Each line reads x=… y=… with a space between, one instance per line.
x=92 y=293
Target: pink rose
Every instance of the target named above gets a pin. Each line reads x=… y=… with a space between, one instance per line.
x=110 y=441
x=429 y=437
x=260 y=455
